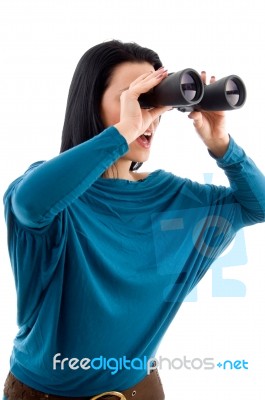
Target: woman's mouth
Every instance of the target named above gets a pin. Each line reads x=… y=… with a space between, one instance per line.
x=145 y=139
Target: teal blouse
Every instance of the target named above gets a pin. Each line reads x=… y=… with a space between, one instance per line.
x=101 y=266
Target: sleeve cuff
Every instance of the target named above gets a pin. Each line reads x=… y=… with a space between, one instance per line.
x=233 y=155
x=117 y=137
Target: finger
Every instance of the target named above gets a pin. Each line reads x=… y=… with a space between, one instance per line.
x=148 y=82
x=203 y=77
x=158 y=111
x=196 y=116
x=213 y=79
x=147 y=76
x=141 y=78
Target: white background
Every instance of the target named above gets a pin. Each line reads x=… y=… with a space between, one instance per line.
x=41 y=43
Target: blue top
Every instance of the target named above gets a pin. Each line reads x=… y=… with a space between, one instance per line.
x=101 y=266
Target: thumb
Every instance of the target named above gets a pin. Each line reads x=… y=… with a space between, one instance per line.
x=196 y=116
x=157 y=111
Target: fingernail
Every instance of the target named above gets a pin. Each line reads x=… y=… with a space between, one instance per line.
x=162 y=74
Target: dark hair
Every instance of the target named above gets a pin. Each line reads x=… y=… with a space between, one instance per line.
x=90 y=80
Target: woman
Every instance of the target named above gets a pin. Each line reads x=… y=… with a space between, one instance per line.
x=104 y=255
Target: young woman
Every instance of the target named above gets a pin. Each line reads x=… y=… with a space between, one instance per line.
x=104 y=255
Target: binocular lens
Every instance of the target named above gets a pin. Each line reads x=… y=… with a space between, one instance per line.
x=228 y=93
x=232 y=92
x=185 y=91
x=188 y=86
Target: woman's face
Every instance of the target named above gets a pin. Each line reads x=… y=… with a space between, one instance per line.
x=123 y=75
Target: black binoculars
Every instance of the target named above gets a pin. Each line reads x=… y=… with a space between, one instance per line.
x=185 y=91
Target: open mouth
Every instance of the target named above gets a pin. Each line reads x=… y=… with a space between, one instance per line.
x=145 y=139
x=147 y=136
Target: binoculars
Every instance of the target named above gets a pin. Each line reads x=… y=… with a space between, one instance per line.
x=185 y=91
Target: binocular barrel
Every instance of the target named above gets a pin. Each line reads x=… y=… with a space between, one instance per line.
x=185 y=91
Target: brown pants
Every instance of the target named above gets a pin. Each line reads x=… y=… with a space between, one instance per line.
x=150 y=388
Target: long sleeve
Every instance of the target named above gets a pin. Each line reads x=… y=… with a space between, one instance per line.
x=51 y=186
x=247 y=183
x=201 y=220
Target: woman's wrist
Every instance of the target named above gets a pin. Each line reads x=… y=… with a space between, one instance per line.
x=219 y=148
x=126 y=132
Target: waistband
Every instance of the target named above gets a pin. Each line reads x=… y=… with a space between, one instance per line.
x=149 y=388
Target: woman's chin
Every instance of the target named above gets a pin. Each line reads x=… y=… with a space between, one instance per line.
x=139 y=156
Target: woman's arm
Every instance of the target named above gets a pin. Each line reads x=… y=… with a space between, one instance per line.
x=246 y=180
x=50 y=187
x=247 y=183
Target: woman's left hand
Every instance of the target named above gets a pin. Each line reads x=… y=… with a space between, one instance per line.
x=210 y=125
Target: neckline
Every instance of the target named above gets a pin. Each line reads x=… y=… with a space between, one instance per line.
x=119 y=181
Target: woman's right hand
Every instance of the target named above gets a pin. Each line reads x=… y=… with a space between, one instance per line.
x=134 y=121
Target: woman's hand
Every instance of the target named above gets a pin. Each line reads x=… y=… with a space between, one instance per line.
x=134 y=121
x=210 y=125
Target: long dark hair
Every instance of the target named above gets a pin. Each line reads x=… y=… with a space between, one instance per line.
x=90 y=80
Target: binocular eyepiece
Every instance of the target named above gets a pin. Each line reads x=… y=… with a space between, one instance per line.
x=185 y=91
